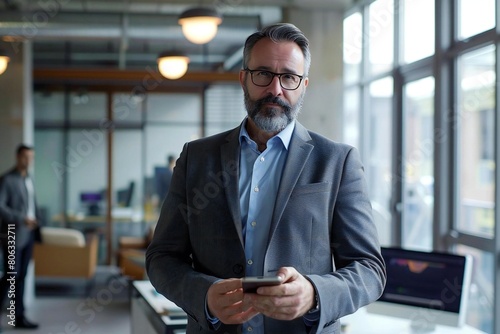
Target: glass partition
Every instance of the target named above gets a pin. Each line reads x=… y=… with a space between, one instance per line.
x=50 y=170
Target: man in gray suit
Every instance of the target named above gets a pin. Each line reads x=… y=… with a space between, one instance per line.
x=268 y=198
x=19 y=221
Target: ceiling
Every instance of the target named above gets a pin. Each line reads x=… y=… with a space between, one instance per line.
x=129 y=34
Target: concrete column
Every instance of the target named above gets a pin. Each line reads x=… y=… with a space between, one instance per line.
x=16 y=107
x=17 y=119
x=323 y=106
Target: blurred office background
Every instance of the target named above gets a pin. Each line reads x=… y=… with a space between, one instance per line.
x=410 y=83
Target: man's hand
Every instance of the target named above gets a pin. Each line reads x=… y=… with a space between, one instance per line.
x=290 y=300
x=30 y=223
x=225 y=301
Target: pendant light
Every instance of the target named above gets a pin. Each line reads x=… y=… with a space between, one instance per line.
x=172 y=65
x=199 y=25
x=4 y=60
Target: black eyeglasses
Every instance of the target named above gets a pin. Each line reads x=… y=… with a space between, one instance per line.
x=288 y=81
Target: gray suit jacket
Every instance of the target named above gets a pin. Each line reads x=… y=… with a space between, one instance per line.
x=322 y=226
x=14 y=206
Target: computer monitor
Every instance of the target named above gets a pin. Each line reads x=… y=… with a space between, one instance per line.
x=124 y=196
x=428 y=288
x=92 y=201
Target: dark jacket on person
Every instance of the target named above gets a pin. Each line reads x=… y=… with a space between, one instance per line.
x=14 y=208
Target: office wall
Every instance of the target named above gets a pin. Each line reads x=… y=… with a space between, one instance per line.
x=16 y=106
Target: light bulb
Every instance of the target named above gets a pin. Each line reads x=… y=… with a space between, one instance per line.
x=173 y=67
x=199 y=25
x=4 y=60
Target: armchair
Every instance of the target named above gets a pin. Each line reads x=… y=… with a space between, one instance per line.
x=64 y=253
x=131 y=253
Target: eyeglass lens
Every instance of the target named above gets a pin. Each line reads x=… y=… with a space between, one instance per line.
x=264 y=78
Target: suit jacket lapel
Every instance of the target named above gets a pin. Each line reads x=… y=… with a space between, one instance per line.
x=230 y=153
x=299 y=150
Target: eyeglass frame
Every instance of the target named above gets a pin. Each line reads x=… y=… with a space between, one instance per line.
x=301 y=77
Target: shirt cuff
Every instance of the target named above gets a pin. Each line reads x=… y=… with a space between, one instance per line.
x=212 y=320
x=311 y=318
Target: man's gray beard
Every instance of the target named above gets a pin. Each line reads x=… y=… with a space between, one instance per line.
x=272 y=119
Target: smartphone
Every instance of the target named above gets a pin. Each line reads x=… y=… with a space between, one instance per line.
x=250 y=284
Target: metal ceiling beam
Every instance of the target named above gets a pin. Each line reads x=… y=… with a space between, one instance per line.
x=179 y=5
x=138 y=57
x=81 y=25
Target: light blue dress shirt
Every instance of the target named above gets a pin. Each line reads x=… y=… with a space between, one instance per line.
x=259 y=179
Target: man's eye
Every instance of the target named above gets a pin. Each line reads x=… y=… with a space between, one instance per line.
x=264 y=74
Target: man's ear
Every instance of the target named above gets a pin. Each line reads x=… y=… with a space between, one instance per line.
x=242 y=78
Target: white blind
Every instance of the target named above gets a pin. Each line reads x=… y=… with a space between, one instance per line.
x=225 y=108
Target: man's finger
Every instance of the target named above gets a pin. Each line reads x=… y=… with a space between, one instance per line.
x=227 y=285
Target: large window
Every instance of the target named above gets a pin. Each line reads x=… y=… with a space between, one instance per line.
x=381 y=36
x=418 y=29
x=476 y=138
x=475 y=16
x=379 y=143
x=353 y=47
x=418 y=163
x=420 y=101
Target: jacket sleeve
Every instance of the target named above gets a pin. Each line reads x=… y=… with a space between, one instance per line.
x=359 y=275
x=169 y=262
x=7 y=212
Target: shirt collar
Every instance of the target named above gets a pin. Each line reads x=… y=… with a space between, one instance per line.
x=284 y=135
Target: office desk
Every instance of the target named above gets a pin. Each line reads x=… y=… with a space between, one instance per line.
x=151 y=313
x=363 y=322
x=119 y=215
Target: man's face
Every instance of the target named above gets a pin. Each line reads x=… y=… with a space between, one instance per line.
x=24 y=159
x=272 y=108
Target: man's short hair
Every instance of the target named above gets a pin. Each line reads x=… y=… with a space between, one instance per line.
x=279 y=32
x=23 y=147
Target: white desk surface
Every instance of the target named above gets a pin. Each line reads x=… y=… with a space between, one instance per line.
x=170 y=313
x=362 y=322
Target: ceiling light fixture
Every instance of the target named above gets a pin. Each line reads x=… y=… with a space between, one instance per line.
x=4 y=60
x=199 y=25
x=172 y=65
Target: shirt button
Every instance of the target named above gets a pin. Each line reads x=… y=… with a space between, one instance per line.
x=249 y=329
x=262 y=159
x=256 y=189
x=250 y=262
x=253 y=224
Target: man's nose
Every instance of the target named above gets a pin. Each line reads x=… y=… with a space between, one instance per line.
x=275 y=87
